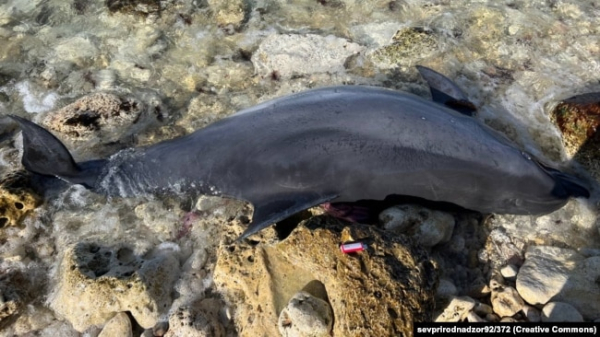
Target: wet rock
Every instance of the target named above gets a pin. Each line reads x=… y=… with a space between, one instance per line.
x=428 y=227
x=509 y=271
x=482 y=309
x=102 y=115
x=578 y=119
x=375 y=34
x=532 y=314
x=407 y=45
x=197 y=319
x=392 y=283
x=306 y=315
x=457 y=310
x=501 y=250
x=95 y=282
x=506 y=302
x=228 y=12
x=118 y=326
x=17 y=198
x=134 y=6
x=288 y=55
x=560 y=274
x=560 y=312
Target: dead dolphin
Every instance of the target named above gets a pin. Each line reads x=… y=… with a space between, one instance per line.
x=334 y=144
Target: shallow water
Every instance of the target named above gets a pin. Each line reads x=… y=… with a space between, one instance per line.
x=514 y=59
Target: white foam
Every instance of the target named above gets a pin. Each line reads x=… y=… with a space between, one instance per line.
x=35 y=102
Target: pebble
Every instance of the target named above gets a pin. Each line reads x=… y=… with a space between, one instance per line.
x=509 y=271
x=507 y=302
x=560 y=274
x=483 y=309
x=532 y=314
x=560 y=312
x=446 y=289
x=306 y=315
x=457 y=310
x=474 y=318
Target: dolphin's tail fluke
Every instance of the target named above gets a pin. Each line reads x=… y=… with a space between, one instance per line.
x=44 y=154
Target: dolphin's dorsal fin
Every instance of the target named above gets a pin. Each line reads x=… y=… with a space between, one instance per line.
x=270 y=209
x=446 y=92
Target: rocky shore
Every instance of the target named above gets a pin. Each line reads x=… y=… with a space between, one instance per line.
x=105 y=76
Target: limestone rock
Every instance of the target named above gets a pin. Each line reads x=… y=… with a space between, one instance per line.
x=143 y=7
x=118 y=326
x=288 y=54
x=560 y=274
x=474 y=318
x=17 y=198
x=380 y=291
x=197 y=319
x=306 y=315
x=16 y=290
x=407 y=45
x=457 y=310
x=560 y=312
x=95 y=282
x=578 y=118
x=506 y=302
x=428 y=227
x=228 y=12
x=101 y=115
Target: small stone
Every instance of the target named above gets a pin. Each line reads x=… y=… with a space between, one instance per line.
x=509 y=271
x=478 y=288
x=457 y=310
x=428 y=227
x=532 y=314
x=446 y=289
x=508 y=320
x=474 y=318
x=306 y=315
x=482 y=309
x=118 y=326
x=506 y=302
x=560 y=312
x=562 y=275
x=492 y=318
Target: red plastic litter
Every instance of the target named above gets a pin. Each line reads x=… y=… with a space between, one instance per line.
x=353 y=247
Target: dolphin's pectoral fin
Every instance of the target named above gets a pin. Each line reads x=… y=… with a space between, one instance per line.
x=446 y=92
x=272 y=209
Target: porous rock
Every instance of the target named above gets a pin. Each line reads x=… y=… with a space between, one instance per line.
x=96 y=282
x=560 y=274
x=103 y=115
x=16 y=290
x=560 y=312
x=287 y=55
x=306 y=315
x=407 y=45
x=457 y=310
x=381 y=291
x=196 y=319
x=118 y=326
x=428 y=227
x=143 y=7
x=17 y=198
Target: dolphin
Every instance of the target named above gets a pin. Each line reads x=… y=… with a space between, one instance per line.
x=332 y=144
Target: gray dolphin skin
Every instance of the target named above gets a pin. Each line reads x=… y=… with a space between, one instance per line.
x=334 y=144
